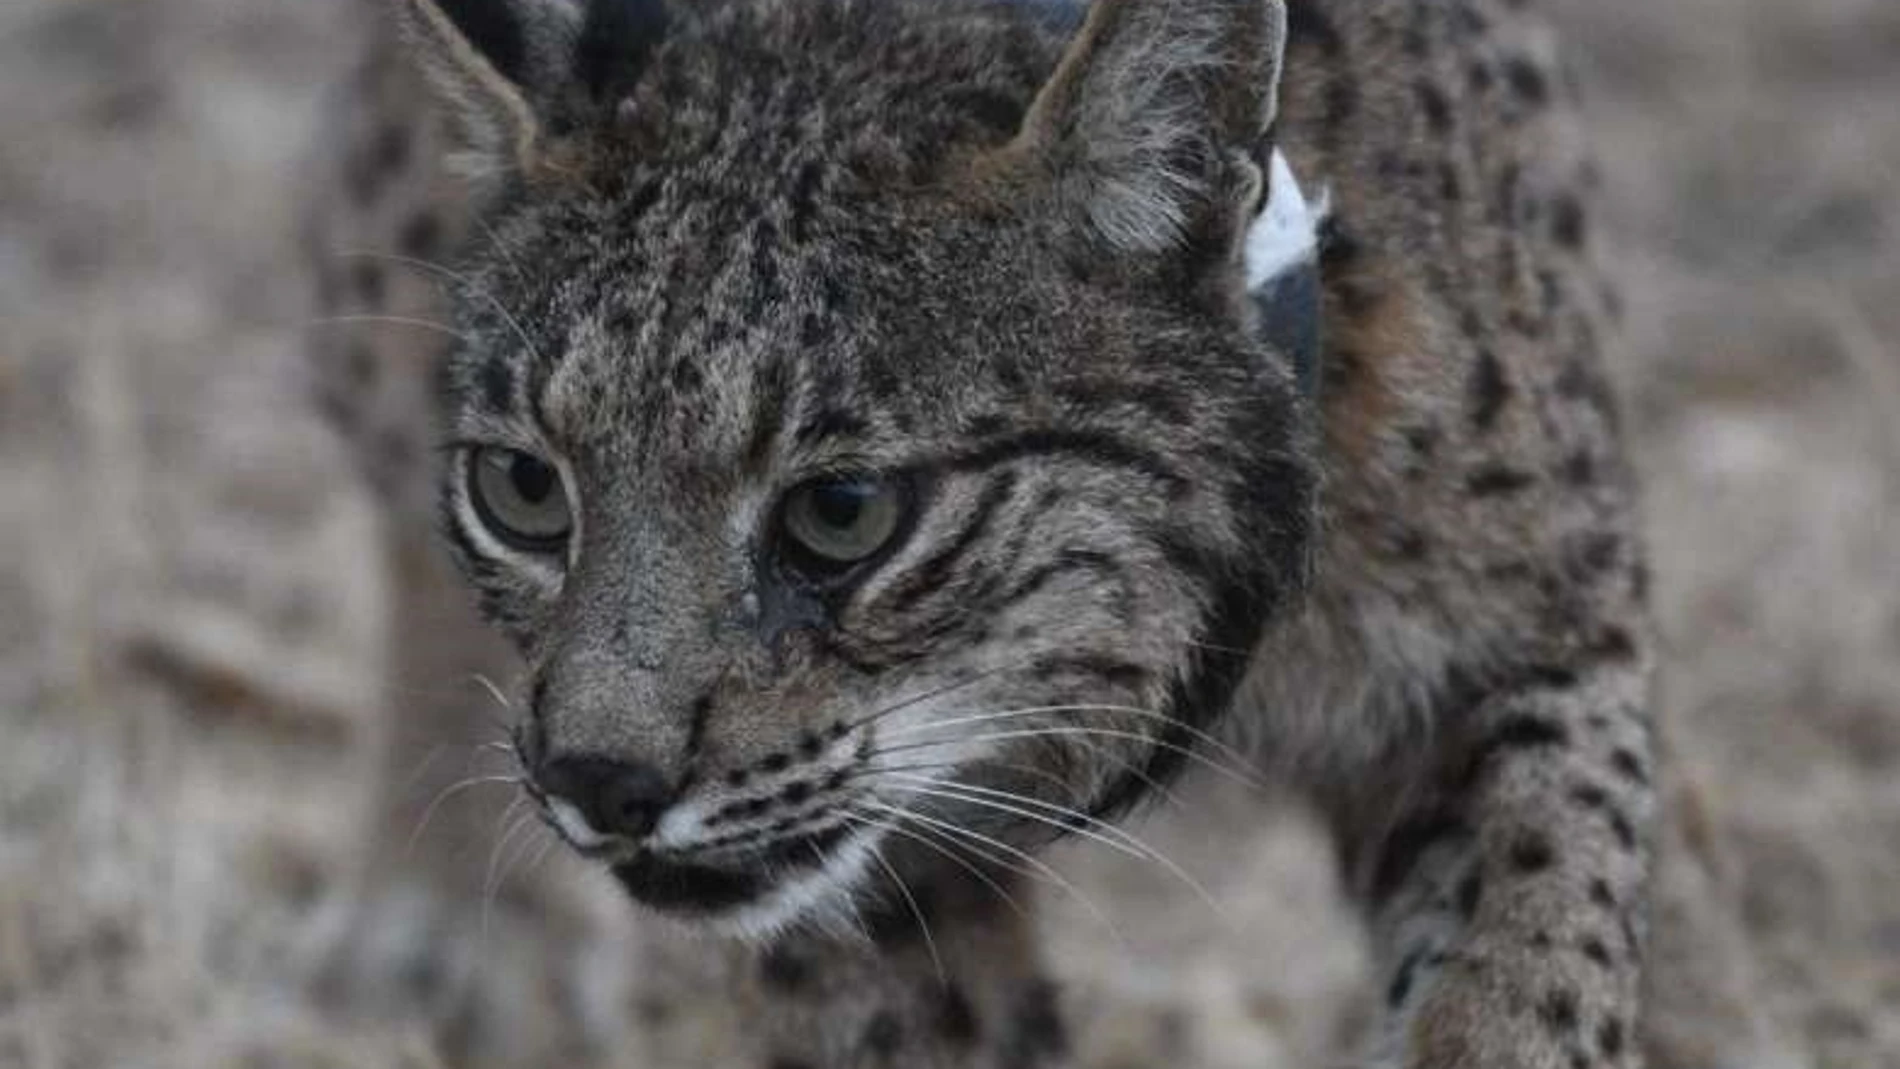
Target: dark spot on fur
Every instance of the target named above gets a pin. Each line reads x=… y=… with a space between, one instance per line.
x=956 y=1018
x=1490 y=390
x=1621 y=827
x=1402 y=979
x=1598 y=553
x=1629 y=766
x=796 y=793
x=1567 y=221
x=1450 y=185
x=1532 y=854
x=1496 y=480
x=1596 y=950
x=1610 y=1038
x=1519 y=732
x=774 y=762
x=1590 y=796
x=1601 y=895
x=421 y=235
x=1527 y=81
x=738 y=777
x=1436 y=106
x=1559 y=1011
x=1470 y=893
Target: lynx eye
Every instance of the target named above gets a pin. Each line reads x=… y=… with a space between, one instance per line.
x=832 y=525
x=520 y=498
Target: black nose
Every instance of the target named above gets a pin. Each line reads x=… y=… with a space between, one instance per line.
x=617 y=797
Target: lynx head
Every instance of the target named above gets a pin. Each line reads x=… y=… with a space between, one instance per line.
x=861 y=429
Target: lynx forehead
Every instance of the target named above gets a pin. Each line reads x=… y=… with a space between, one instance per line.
x=889 y=432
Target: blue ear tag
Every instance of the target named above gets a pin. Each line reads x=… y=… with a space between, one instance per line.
x=1282 y=257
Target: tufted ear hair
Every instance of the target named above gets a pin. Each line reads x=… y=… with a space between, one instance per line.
x=512 y=73
x=1152 y=135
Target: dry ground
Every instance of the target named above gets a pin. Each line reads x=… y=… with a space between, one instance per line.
x=192 y=614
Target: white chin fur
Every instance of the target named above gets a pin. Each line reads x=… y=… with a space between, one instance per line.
x=821 y=898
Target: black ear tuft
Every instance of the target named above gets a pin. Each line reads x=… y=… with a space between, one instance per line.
x=492 y=29
x=615 y=41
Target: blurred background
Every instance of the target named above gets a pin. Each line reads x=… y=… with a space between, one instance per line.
x=201 y=861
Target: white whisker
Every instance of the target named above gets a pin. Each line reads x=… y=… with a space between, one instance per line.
x=930 y=942
x=459 y=279
x=401 y=321
x=1116 y=838
x=444 y=795
x=1173 y=723
x=1237 y=775
x=965 y=863
x=958 y=831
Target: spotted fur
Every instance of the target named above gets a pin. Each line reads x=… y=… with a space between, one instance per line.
x=991 y=252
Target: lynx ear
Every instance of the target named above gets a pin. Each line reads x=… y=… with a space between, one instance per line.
x=509 y=71
x=1153 y=130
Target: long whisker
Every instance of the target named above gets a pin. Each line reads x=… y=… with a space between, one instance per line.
x=494 y=691
x=401 y=321
x=1236 y=775
x=906 y=703
x=986 y=855
x=965 y=863
x=1128 y=710
x=930 y=942
x=953 y=791
x=960 y=832
x=1211 y=648
x=1065 y=818
x=459 y=279
x=869 y=770
x=494 y=240
x=490 y=882
x=444 y=795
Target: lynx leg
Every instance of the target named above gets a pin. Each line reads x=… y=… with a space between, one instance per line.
x=1507 y=897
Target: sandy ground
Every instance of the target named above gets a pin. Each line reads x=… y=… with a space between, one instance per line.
x=195 y=866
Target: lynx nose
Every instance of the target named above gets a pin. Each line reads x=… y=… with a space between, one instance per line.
x=611 y=797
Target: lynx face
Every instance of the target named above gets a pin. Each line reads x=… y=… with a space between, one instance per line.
x=859 y=428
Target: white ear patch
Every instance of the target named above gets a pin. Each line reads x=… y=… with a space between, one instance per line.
x=1287 y=232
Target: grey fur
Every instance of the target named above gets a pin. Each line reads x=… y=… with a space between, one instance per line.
x=919 y=238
